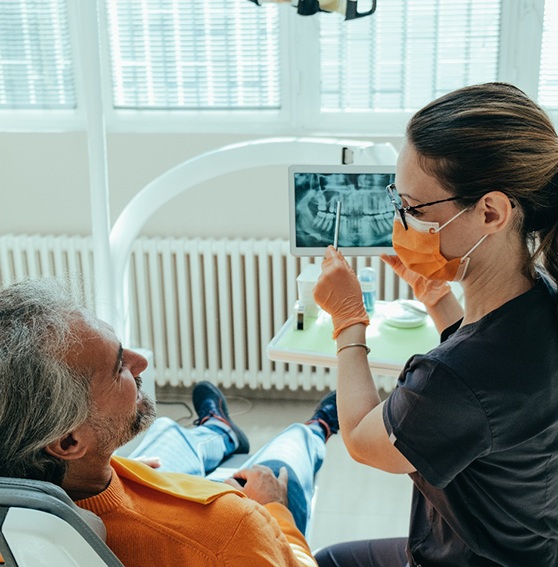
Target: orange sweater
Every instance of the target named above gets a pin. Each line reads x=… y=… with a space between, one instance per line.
x=172 y=519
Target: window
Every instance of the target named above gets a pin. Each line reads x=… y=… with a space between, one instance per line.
x=408 y=53
x=36 y=69
x=548 y=79
x=193 y=55
x=234 y=67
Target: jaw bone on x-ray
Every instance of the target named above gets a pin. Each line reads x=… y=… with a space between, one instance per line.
x=366 y=212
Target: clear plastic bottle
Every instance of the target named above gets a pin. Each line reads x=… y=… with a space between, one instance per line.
x=367 y=278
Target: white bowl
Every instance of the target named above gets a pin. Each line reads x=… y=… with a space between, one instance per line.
x=405 y=314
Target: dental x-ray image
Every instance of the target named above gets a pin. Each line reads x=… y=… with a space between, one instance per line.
x=367 y=214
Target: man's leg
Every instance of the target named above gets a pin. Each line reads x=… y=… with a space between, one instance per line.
x=301 y=449
x=366 y=553
x=195 y=450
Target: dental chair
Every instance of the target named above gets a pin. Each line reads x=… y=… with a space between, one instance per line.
x=41 y=526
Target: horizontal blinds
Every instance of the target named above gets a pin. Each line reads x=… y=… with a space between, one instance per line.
x=185 y=54
x=35 y=55
x=548 y=78
x=407 y=53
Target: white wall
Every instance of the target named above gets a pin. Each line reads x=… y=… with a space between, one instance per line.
x=44 y=184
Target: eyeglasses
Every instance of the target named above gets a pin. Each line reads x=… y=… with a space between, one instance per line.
x=398 y=204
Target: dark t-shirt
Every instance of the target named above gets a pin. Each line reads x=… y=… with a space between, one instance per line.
x=478 y=419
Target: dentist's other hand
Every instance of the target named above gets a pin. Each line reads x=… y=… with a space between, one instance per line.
x=339 y=293
x=427 y=291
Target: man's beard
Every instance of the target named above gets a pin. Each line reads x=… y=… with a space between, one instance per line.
x=113 y=433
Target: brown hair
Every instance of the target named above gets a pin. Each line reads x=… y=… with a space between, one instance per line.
x=493 y=137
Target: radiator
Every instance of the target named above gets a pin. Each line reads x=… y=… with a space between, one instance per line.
x=206 y=308
x=36 y=256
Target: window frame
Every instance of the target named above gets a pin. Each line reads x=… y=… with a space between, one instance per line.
x=519 y=62
x=67 y=120
x=519 y=19
x=203 y=121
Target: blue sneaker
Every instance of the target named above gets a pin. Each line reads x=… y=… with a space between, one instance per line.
x=210 y=402
x=326 y=415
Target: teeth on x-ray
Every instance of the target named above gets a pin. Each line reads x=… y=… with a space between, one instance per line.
x=366 y=212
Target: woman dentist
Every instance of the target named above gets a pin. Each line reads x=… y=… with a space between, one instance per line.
x=474 y=422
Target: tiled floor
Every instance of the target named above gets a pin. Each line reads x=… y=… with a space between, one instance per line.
x=352 y=501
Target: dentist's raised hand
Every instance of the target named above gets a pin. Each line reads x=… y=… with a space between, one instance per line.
x=440 y=302
x=339 y=293
x=429 y=292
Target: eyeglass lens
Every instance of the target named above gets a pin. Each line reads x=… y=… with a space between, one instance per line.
x=395 y=196
x=397 y=202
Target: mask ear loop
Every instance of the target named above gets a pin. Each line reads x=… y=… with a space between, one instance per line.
x=465 y=256
x=434 y=230
x=472 y=249
x=464 y=261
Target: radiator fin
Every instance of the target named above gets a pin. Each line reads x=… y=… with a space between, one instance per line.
x=35 y=256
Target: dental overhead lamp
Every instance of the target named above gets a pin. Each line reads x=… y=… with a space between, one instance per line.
x=348 y=8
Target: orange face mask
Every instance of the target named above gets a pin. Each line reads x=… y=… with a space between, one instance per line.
x=419 y=249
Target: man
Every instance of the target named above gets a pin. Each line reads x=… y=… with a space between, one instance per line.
x=70 y=396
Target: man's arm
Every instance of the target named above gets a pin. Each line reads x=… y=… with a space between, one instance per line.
x=297 y=542
x=260 y=484
x=266 y=536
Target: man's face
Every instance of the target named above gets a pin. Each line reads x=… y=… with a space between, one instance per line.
x=120 y=410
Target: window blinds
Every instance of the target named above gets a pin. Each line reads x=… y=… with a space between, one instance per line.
x=548 y=78
x=215 y=55
x=408 y=53
x=184 y=54
x=35 y=55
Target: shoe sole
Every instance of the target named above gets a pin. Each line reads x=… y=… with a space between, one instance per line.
x=243 y=442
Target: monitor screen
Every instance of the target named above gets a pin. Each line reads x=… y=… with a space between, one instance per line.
x=366 y=218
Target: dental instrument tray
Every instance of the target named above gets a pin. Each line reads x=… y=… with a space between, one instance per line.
x=366 y=216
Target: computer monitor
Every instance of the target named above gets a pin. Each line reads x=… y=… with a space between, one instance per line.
x=367 y=214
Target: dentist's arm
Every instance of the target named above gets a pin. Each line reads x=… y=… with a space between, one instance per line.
x=359 y=406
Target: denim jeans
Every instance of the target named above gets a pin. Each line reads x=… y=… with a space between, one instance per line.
x=199 y=450
x=366 y=553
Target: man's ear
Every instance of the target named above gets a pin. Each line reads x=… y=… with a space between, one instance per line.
x=68 y=448
x=497 y=211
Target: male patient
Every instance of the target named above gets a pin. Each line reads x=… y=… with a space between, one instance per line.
x=70 y=396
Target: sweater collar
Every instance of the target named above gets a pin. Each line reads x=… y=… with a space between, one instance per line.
x=183 y=486
x=107 y=500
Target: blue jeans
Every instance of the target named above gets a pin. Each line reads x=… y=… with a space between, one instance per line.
x=200 y=450
x=366 y=553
